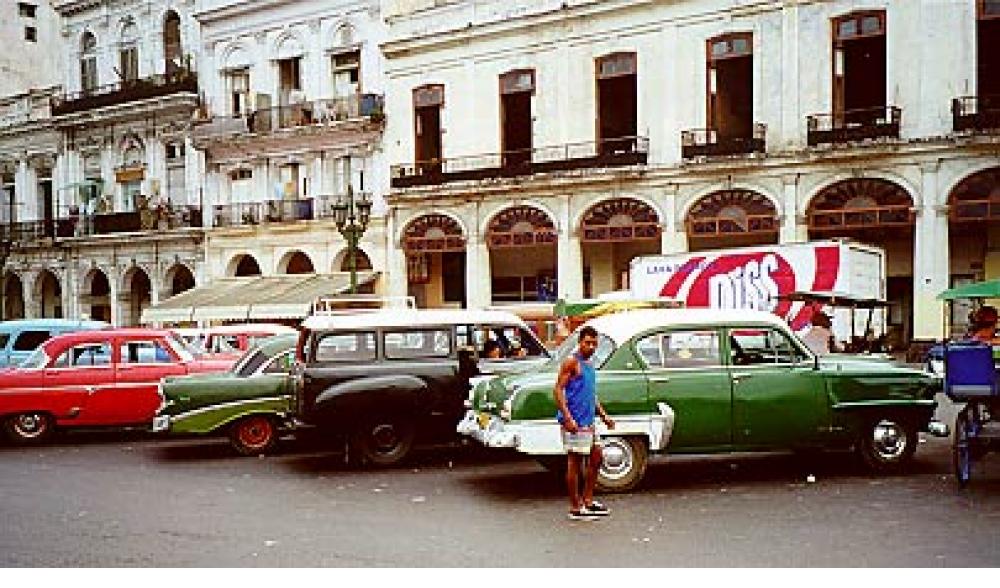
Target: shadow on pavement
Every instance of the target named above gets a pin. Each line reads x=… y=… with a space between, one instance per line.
x=448 y=456
x=684 y=473
x=79 y=438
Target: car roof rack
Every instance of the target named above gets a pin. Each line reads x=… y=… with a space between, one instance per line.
x=354 y=303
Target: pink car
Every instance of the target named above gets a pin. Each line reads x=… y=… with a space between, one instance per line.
x=93 y=379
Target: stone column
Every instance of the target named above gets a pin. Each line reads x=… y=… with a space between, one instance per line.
x=931 y=258
x=792 y=231
x=26 y=189
x=396 y=277
x=570 y=256
x=673 y=238
x=114 y=296
x=31 y=302
x=67 y=283
x=477 y=266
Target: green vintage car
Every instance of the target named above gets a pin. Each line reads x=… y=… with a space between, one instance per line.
x=249 y=403
x=694 y=381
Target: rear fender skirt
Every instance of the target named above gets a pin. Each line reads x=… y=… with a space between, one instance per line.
x=397 y=393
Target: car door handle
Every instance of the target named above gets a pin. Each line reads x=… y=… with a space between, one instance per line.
x=740 y=376
x=659 y=379
x=91 y=389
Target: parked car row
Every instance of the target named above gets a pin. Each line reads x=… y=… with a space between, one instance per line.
x=674 y=380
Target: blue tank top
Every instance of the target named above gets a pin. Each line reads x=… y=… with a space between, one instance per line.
x=581 y=394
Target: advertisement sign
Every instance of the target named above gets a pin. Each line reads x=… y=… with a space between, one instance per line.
x=758 y=277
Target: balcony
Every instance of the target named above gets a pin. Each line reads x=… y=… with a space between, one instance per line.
x=708 y=143
x=976 y=113
x=73 y=224
x=182 y=80
x=853 y=125
x=308 y=113
x=618 y=152
x=276 y=211
x=267 y=211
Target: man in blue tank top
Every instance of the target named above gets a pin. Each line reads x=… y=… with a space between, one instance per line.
x=576 y=398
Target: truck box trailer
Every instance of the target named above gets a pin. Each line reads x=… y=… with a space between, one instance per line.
x=761 y=277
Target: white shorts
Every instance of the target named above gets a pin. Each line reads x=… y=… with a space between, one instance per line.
x=582 y=441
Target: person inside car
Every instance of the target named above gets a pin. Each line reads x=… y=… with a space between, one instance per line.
x=819 y=339
x=492 y=350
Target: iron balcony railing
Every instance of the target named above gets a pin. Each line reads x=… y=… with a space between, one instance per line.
x=853 y=125
x=266 y=211
x=316 y=112
x=976 y=113
x=617 y=152
x=711 y=143
x=71 y=223
x=276 y=211
x=303 y=114
x=181 y=80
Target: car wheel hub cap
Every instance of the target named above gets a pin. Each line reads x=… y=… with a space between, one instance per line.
x=255 y=433
x=30 y=424
x=385 y=438
x=616 y=460
x=889 y=440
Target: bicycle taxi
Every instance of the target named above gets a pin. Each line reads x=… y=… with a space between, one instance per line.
x=970 y=378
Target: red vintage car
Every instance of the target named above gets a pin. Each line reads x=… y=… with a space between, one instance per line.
x=93 y=379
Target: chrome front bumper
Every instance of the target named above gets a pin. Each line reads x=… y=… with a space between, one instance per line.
x=495 y=433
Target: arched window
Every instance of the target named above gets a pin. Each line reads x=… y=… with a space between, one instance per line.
x=620 y=219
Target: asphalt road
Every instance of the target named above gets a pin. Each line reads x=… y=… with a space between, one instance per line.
x=135 y=500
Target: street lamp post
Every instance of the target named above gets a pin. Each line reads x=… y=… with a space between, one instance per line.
x=6 y=243
x=352 y=215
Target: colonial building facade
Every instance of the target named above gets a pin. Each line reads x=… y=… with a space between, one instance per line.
x=292 y=116
x=29 y=29
x=541 y=141
x=107 y=220
x=523 y=150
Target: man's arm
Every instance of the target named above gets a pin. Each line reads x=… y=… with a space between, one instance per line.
x=608 y=421
x=567 y=370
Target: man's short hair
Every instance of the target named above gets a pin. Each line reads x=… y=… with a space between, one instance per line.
x=588 y=331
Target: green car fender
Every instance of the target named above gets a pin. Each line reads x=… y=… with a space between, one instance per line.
x=212 y=418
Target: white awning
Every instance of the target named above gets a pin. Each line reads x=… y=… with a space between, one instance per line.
x=252 y=298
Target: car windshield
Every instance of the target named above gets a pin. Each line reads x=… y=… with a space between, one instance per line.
x=605 y=347
x=250 y=363
x=182 y=348
x=36 y=360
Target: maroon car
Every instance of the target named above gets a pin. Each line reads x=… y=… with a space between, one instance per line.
x=94 y=379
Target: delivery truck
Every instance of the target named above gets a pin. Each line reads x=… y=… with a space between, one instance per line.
x=765 y=277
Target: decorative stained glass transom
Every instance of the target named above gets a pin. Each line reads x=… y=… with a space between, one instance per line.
x=520 y=226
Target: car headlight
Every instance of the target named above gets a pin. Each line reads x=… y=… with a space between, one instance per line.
x=505 y=409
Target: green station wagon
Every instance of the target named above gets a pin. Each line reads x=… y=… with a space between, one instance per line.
x=250 y=403
x=696 y=381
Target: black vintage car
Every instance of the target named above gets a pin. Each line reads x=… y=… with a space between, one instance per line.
x=385 y=379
